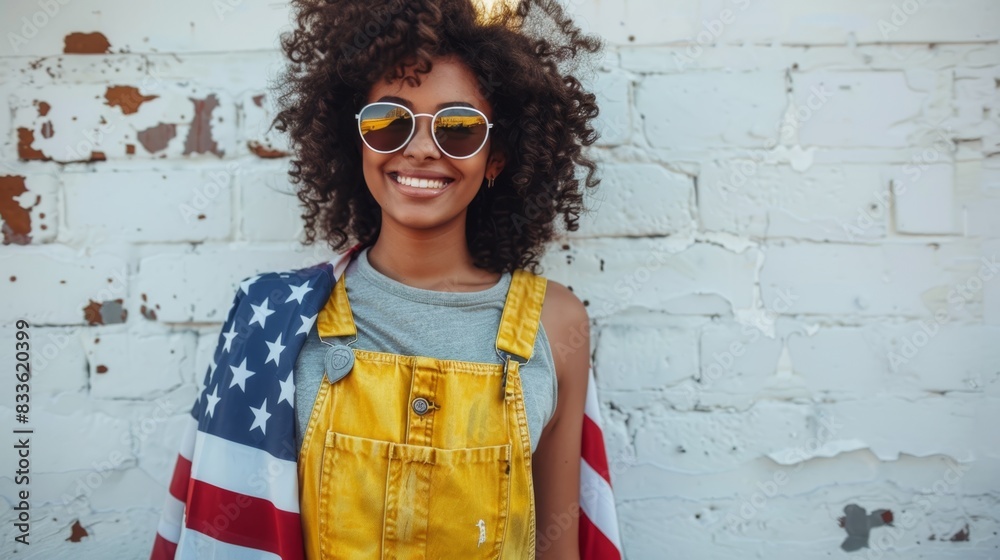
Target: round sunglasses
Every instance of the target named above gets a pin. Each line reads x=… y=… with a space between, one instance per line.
x=459 y=132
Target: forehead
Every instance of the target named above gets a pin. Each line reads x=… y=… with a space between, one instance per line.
x=449 y=83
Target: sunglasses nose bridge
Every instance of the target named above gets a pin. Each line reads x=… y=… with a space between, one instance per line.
x=416 y=131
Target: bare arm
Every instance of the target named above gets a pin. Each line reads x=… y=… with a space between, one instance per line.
x=556 y=461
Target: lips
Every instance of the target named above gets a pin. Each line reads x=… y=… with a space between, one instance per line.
x=421 y=175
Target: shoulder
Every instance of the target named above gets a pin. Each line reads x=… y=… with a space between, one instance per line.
x=567 y=327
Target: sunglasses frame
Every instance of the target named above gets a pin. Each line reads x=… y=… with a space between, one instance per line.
x=413 y=129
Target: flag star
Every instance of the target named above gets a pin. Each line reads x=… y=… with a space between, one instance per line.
x=298 y=292
x=307 y=323
x=229 y=335
x=240 y=375
x=213 y=400
x=260 y=416
x=260 y=313
x=287 y=390
x=274 y=350
x=245 y=285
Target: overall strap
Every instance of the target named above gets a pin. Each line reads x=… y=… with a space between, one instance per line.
x=521 y=314
x=336 y=319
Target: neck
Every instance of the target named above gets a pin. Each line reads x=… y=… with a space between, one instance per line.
x=437 y=259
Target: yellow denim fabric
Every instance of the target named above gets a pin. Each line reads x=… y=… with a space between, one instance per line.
x=379 y=480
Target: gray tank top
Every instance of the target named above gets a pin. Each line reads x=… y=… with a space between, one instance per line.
x=401 y=319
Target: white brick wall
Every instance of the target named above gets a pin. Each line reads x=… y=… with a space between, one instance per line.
x=789 y=263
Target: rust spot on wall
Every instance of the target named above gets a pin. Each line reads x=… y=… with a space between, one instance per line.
x=13 y=278
x=17 y=220
x=97 y=156
x=102 y=369
x=258 y=100
x=962 y=535
x=265 y=152
x=25 y=138
x=43 y=108
x=105 y=313
x=126 y=97
x=199 y=139
x=77 y=532
x=86 y=43
x=148 y=312
x=156 y=138
x=129 y=149
x=47 y=129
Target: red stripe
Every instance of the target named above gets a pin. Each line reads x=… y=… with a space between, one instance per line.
x=592 y=448
x=163 y=549
x=182 y=473
x=594 y=545
x=244 y=521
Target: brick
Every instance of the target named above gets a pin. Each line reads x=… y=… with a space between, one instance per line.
x=638 y=200
x=614 y=122
x=622 y=23
x=69 y=281
x=152 y=206
x=853 y=280
x=154 y=116
x=57 y=361
x=645 y=357
x=29 y=207
x=131 y=366
x=856 y=109
x=699 y=110
x=652 y=274
x=269 y=206
x=179 y=288
x=924 y=197
x=752 y=197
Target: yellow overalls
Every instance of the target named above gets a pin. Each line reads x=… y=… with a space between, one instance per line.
x=414 y=457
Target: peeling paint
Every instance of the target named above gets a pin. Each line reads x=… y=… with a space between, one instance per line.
x=156 y=138
x=265 y=152
x=858 y=525
x=105 y=313
x=258 y=100
x=148 y=312
x=43 y=108
x=25 y=152
x=130 y=149
x=47 y=129
x=17 y=220
x=101 y=369
x=86 y=43
x=77 y=532
x=127 y=98
x=962 y=535
x=199 y=139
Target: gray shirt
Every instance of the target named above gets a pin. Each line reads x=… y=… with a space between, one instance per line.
x=394 y=317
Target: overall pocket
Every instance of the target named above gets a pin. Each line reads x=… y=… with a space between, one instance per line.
x=380 y=499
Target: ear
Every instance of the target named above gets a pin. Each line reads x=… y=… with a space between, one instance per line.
x=495 y=163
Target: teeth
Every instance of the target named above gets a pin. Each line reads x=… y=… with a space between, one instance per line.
x=420 y=183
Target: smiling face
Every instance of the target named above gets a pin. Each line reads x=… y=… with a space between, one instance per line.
x=394 y=179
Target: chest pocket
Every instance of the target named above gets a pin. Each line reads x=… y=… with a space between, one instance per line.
x=411 y=501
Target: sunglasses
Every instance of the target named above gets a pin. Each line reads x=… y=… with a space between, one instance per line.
x=459 y=132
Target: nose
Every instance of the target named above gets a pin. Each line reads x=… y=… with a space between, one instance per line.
x=421 y=145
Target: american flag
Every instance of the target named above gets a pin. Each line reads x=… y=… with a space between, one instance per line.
x=234 y=491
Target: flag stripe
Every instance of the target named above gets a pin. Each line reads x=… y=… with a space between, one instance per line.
x=246 y=470
x=597 y=502
x=163 y=549
x=594 y=544
x=244 y=521
x=594 y=440
x=197 y=545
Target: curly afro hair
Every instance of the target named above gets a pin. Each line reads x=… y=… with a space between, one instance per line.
x=339 y=49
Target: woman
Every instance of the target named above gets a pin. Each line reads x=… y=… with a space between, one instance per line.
x=440 y=144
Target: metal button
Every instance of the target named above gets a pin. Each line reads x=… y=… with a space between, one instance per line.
x=420 y=406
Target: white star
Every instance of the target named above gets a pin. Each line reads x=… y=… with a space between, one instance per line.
x=260 y=416
x=298 y=292
x=307 y=323
x=230 y=335
x=213 y=400
x=287 y=390
x=245 y=285
x=260 y=313
x=274 y=350
x=240 y=375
